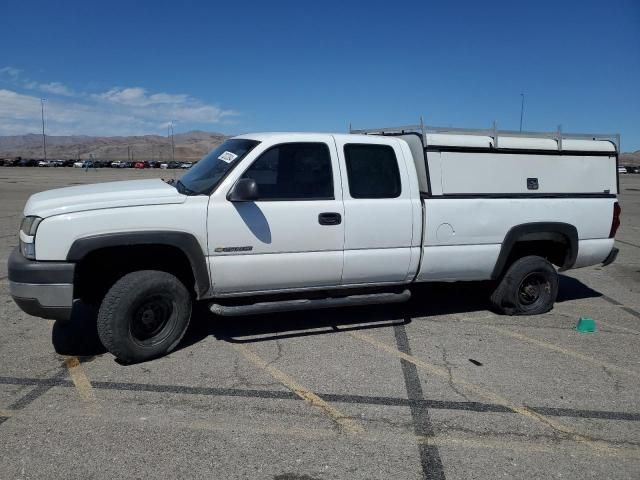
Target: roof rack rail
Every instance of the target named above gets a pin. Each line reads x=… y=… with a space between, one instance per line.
x=493 y=132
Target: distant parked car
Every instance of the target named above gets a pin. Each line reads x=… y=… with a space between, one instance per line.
x=154 y=164
x=622 y=169
x=141 y=165
x=164 y=165
x=186 y=165
x=173 y=165
x=78 y=164
x=27 y=162
x=11 y=162
x=89 y=164
x=632 y=169
x=44 y=163
x=116 y=164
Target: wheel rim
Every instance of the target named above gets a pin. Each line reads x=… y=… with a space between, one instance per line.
x=150 y=318
x=532 y=288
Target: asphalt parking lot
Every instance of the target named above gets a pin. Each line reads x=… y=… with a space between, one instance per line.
x=437 y=388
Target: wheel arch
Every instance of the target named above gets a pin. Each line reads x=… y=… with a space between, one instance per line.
x=554 y=232
x=183 y=241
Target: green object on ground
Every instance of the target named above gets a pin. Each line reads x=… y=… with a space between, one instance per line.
x=586 y=325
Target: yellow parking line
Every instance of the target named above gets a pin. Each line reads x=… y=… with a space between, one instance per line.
x=484 y=393
x=80 y=379
x=338 y=417
x=565 y=351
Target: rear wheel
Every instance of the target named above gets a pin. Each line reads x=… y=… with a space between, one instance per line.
x=144 y=315
x=529 y=287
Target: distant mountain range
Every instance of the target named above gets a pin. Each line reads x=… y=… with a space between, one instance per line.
x=188 y=146
x=631 y=158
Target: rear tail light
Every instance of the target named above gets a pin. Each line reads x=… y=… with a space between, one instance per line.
x=615 y=223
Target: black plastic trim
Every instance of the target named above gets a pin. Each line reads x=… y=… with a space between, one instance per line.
x=538 y=231
x=519 y=151
x=329 y=218
x=23 y=270
x=182 y=240
x=32 y=306
x=523 y=195
x=611 y=257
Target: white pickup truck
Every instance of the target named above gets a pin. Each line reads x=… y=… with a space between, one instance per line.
x=284 y=221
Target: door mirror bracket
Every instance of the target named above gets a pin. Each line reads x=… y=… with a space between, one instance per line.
x=245 y=190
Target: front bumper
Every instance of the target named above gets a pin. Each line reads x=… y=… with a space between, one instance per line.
x=41 y=289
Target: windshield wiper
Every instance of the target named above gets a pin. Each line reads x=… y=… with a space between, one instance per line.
x=184 y=190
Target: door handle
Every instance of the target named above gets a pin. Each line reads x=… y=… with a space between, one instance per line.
x=329 y=218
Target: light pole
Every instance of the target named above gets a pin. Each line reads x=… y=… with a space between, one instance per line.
x=521 y=110
x=173 y=145
x=44 y=138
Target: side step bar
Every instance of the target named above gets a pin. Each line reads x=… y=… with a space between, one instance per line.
x=309 y=304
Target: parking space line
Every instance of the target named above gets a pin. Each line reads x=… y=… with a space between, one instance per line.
x=430 y=460
x=80 y=379
x=467 y=406
x=344 y=422
x=597 y=445
x=6 y=413
x=564 y=351
x=41 y=388
x=622 y=306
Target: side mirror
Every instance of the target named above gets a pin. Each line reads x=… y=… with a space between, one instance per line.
x=245 y=190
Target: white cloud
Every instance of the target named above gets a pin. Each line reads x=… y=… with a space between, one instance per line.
x=10 y=72
x=56 y=88
x=116 y=111
x=138 y=97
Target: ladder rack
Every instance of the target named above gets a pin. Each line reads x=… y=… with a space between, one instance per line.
x=492 y=132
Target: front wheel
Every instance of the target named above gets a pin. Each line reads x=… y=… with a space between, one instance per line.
x=144 y=315
x=529 y=287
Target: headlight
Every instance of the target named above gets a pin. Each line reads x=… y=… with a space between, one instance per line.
x=29 y=225
x=28 y=228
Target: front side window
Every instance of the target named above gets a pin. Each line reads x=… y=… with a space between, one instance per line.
x=372 y=171
x=205 y=175
x=293 y=171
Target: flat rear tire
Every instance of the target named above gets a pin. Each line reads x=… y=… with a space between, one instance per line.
x=529 y=287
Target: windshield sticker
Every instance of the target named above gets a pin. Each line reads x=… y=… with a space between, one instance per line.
x=228 y=157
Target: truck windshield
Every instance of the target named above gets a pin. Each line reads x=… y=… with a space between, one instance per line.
x=205 y=175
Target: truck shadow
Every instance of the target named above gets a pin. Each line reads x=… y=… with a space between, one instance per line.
x=426 y=300
x=79 y=336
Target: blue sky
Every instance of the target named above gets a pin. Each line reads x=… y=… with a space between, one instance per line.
x=130 y=67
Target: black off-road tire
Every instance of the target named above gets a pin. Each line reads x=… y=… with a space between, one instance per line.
x=529 y=287
x=144 y=315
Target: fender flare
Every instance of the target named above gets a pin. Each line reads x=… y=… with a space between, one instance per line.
x=186 y=242
x=538 y=231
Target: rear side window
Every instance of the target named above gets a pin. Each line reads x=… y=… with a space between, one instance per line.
x=372 y=171
x=293 y=171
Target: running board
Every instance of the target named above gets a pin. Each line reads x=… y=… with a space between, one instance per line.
x=308 y=304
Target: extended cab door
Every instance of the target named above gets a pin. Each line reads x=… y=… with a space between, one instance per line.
x=382 y=213
x=292 y=236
